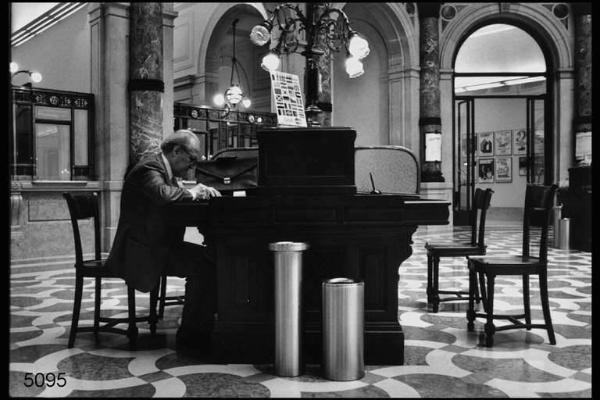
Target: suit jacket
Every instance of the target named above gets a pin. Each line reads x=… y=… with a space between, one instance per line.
x=144 y=240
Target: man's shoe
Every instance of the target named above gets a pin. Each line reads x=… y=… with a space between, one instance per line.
x=198 y=344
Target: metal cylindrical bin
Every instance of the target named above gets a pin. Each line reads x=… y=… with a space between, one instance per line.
x=343 y=329
x=556 y=226
x=564 y=233
x=288 y=306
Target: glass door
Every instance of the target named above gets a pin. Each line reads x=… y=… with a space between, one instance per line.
x=464 y=162
x=537 y=145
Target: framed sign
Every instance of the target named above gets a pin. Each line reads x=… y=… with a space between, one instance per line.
x=503 y=143
x=522 y=166
x=503 y=169
x=519 y=142
x=486 y=170
x=287 y=96
x=485 y=144
x=433 y=147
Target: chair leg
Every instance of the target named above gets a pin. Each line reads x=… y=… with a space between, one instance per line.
x=483 y=292
x=435 y=296
x=97 y=302
x=132 y=330
x=153 y=317
x=429 y=277
x=76 y=309
x=163 y=293
x=546 y=306
x=526 y=303
x=489 y=327
x=471 y=309
x=477 y=294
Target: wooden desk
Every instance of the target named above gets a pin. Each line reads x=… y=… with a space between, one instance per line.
x=357 y=236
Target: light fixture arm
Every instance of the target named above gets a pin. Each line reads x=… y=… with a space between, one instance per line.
x=233 y=58
x=325 y=29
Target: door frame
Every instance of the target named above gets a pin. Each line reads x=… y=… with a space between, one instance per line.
x=460 y=215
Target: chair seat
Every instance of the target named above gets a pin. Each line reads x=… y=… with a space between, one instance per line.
x=95 y=268
x=506 y=265
x=453 y=249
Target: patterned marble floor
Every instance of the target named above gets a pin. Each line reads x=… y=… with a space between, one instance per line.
x=442 y=359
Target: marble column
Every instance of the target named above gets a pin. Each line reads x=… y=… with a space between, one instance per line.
x=110 y=75
x=583 y=82
x=146 y=84
x=324 y=96
x=429 y=93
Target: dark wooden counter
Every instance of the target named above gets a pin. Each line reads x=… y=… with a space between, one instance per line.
x=363 y=237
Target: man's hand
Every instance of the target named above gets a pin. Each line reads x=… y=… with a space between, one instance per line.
x=204 y=192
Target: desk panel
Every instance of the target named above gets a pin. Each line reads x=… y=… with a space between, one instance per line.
x=361 y=237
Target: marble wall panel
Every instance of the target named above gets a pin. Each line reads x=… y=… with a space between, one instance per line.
x=47 y=232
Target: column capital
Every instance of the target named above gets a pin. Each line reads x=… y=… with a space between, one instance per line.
x=429 y=10
x=582 y=8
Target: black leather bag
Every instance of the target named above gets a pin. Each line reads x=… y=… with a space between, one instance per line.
x=227 y=174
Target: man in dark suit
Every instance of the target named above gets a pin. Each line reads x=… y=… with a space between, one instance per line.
x=145 y=246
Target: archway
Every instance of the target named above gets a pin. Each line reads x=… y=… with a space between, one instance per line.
x=500 y=114
x=376 y=104
x=254 y=81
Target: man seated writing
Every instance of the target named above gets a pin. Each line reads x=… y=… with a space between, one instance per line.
x=146 y=247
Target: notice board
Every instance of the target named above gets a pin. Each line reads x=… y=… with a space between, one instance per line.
x=287 y=95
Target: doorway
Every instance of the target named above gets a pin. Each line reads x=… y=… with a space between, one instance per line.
x=501 y=134
x=499 y=144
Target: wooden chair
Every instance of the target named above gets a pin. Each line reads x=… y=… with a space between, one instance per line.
x=164 y=300
x=538 y=203
x=481 y=203
x=85 y=206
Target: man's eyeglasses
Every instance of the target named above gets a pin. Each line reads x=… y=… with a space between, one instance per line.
x=193 y=159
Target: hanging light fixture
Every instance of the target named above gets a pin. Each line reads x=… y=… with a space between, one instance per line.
x=34 y=76
x=234 y=93
x=324 y=27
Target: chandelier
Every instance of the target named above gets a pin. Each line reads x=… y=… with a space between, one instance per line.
x=324 y=28
x=34 y=76
x=234 y=93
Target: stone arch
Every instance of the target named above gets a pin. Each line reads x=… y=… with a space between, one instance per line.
x=214 y=19
x=397 y=35
x=538 y=21
x=554 y=40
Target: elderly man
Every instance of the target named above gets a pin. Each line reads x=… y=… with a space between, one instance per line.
x=145 y=246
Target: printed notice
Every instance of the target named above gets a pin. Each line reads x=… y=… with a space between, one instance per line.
x=288 y=99
x=433 y=147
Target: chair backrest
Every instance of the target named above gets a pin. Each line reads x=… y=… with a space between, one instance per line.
x=83 y=206
x=538 y=204
x=394 y=168
x=481 y=203
x=239 y=152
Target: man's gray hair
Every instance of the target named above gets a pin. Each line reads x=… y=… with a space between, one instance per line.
x=182 y=137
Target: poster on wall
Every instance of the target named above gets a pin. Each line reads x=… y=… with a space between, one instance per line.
x=287 y=96
x=538 y=142
x=486 y=170
x=485 y=143
x=503 y=143
x=503 y=169
x=522 y=166
x=519 y=142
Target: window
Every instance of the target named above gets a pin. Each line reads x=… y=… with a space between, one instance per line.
x=52 y=135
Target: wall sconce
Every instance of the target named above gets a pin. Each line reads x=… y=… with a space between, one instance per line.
x=324 y=27
x=34 y=76
x=234 y=94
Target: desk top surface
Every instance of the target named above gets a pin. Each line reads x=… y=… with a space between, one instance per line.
x=384 y=209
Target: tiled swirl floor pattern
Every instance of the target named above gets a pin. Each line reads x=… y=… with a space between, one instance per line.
x=442 y=359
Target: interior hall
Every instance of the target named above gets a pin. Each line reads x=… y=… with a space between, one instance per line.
x=359 y=199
